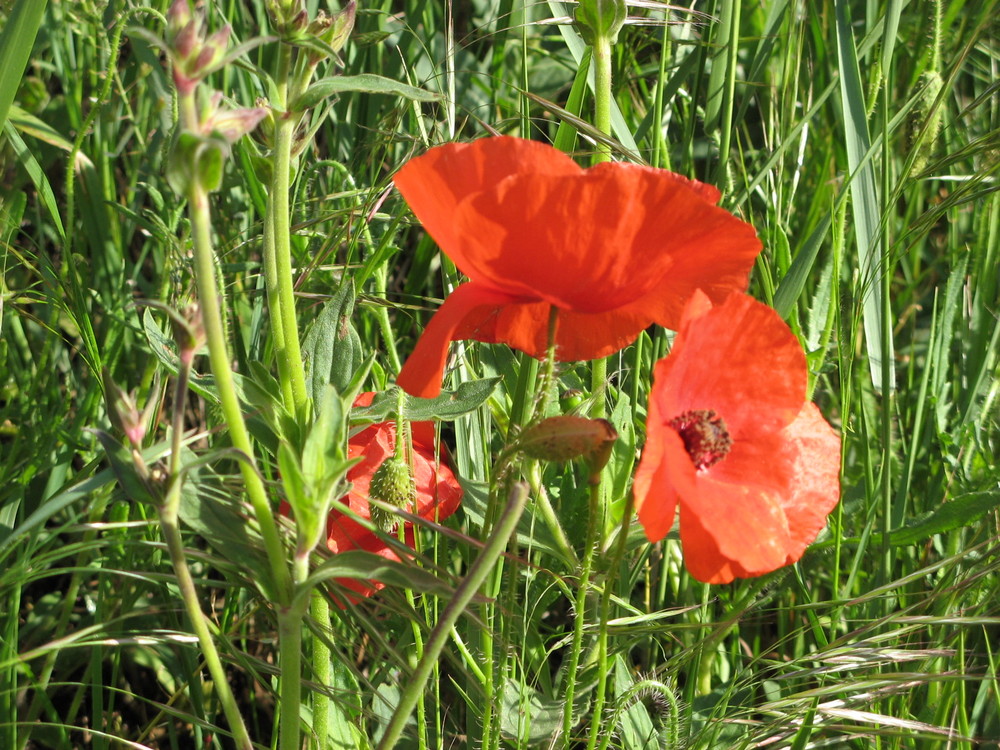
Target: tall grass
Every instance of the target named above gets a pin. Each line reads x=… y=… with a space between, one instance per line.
x=861 y=139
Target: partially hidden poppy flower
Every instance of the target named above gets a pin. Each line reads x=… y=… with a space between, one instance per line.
x=438 y=492
x=733 y=442
x=614 y=248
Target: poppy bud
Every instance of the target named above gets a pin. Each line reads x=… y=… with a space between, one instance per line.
x=392 y=483
x=567 y=437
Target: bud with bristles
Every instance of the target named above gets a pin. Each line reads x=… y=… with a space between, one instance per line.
x=393 y=484
x=569 y=437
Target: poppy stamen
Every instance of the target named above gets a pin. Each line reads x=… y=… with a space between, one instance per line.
x=705 y=436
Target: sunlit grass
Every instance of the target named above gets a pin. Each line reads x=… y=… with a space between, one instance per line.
x=882 y=241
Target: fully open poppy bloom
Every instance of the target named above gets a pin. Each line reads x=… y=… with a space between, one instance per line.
x=438 y=492
x=614 y=248
x=731 y=439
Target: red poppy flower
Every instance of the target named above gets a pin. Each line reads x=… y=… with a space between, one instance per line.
x=731 y=439
x=615 y=248
x=438 y=491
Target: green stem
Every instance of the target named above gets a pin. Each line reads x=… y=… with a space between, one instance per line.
x=290 y=667
x=597 y=720
x=278 y=253
x=170 y=528
x=602 y=94
x=598 y=380
x=580 y=611
x=496 y=543
x=189 y=594
x=218 y=354
x=322 y=671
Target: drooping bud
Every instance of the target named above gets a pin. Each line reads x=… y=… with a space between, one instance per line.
x=393 y=484
x=568 y=437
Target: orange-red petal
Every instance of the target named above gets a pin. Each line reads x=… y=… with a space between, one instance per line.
x=738 y=359
x=758 y=507
x=470 y=307
x=435 y=183
x=599 y=239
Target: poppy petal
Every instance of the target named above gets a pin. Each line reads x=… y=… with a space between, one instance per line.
x=596 y=240
x=815 y=491
x=739 y=359
x=435 y=183
x=579 y=336
x=746 y=525
x=469 y=304
x=665 y=472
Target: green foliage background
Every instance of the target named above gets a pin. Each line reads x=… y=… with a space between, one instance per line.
x=860 y=139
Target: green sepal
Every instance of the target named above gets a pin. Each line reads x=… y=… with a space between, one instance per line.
x=600 y=19
x=197 y=160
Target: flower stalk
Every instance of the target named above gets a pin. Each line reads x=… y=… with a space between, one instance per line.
x=218 y=354
x=496 y=543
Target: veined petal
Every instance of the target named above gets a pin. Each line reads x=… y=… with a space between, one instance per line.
x=596 y=240
x=740 y=360
x=815 y=491
x=746 y=524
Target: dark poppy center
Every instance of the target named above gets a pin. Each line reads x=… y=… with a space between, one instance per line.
x=705 y=436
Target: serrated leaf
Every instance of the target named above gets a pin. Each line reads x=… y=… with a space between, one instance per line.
x=364 y=82
x=528 y=716
x=220 y=521
x=450 y=405
x=635 y=723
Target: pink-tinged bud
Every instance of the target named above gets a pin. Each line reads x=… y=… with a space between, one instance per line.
x=122 y=411
x=178 y=16
x=189 y=332
x=185 y=42
x=567 y=437
x=233 y=124
x=343 y=25
x=333 y=31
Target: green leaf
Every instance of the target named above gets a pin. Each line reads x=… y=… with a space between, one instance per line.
x=133 y=485
x=16 y=41
x=27 y=123
x=634 y=722
x=794 y=281
x=218 y=518
x=528 y=716
x=367 y=566
x=366 y=82
x=468 y=397
x=864 y=199
x=37 y=175
x=960 y=511
x=332 y=348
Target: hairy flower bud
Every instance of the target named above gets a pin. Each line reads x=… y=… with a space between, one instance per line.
x=392 y=483
x=567 y=437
